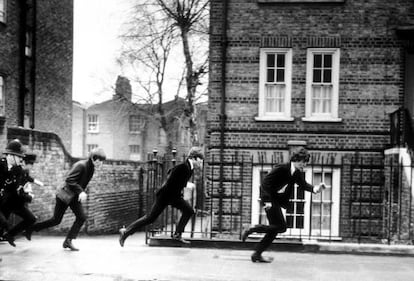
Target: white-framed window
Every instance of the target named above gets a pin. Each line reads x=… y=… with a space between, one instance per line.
x=308 y=215
x=135 y=152
x=275 y=85
x=3 y=6
x=322 y=85
x=91 y=147
x=93 y=123
x=2 y=95
x=323 y=219
x=135 y=123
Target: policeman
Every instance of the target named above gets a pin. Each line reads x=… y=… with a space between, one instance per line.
x=11 y=176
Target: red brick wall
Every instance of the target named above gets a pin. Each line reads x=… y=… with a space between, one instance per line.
x=116 y=194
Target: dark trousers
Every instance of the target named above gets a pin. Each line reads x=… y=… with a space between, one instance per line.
x=277 y=224
x=28 y=219
x=4 y=225
x=157 y=208
x=60 y=209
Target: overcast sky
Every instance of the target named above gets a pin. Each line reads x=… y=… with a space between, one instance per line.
x=97 y=25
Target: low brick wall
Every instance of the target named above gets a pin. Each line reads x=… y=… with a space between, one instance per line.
x=116 y=193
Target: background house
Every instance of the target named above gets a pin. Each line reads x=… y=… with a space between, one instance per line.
x=321 y=74
x=130 y=131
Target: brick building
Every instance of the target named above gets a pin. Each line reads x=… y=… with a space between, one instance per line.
x=321 y=74
x=36 y=47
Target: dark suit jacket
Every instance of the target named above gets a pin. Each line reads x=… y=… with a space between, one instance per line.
x=80 y=175
x=176 y=181
x=280 y=176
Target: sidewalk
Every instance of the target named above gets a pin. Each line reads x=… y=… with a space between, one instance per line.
x=102 y=259
x=292 y=246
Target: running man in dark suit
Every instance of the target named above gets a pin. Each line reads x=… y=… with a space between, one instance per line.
x=170 y=194
x=76 y=181
x=278 y=185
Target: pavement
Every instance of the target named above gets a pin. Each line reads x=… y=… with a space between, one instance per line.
x=102 y=259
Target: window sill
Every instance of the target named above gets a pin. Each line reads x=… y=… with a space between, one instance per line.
x=321 y=119
x=274 y=118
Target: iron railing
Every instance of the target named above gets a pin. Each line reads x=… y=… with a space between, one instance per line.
x=368 y=199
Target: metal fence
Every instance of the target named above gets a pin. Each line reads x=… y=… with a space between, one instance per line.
x=367 y=199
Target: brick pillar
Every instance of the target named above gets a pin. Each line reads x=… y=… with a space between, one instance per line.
x=398 y=201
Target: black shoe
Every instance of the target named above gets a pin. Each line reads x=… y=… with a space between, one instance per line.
x=28 y=234
x=68 y=244
x=9 y=239
x=258 y=258
x=122 y=236
x=246 y=234
x=177 y=237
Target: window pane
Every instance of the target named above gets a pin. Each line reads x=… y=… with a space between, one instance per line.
x=299 y=222
x=316 y=222
x=327 y=76
x=269 y=98
x=281 y=60
x=317 y=75
x=317 y=178
x=275 y=98
x=290 y=209
x=317 y=61
x=326 y=209
x=316 y=197
x=93 y=123
x=327 y=61
x=316 y=209
x=328 y=178
x=289 y=221
x=134 y=123
x=326 y=223
x=326 y=99
x=91 y=147
x=271 y=60
x=280 y=75
x=300 y=208
x=326 y=194
x=270 y=75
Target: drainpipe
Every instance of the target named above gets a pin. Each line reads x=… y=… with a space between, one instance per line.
x=22 y=63
x=222 y=109
x=33 y=69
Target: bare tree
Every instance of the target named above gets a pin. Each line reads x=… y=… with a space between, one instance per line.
x=147 y=50
x=158 y=27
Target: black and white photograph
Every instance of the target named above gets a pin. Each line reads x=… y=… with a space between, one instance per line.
x=206 y=140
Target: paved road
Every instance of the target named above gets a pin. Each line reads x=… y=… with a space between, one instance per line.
x=102 y=259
